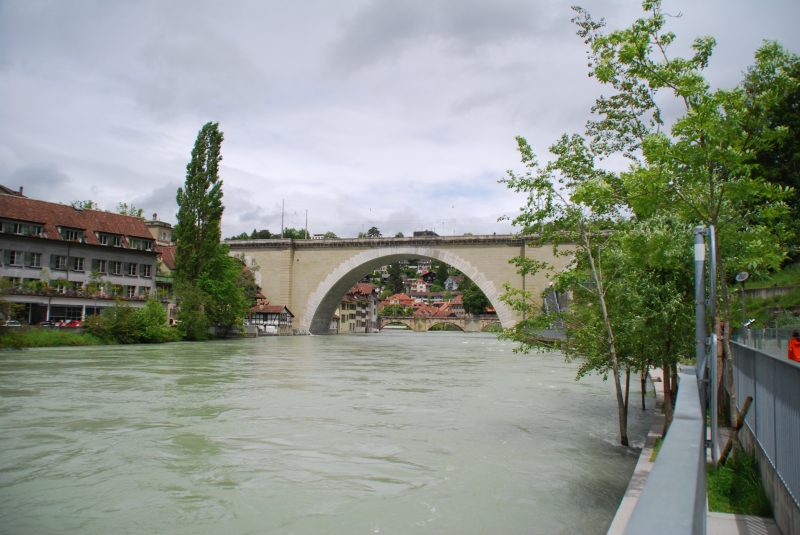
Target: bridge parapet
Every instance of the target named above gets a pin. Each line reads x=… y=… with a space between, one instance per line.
x=421 y=241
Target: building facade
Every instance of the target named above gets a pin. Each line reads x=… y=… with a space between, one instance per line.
x=358 y=311
x=62 y=262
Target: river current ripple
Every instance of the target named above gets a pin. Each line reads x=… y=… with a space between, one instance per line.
x=390 y=433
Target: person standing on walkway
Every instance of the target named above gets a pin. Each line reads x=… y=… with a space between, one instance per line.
x=794 y=347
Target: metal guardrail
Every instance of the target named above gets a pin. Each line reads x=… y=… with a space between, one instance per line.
x=774 y=418
x=772 y=341
x=673 y=501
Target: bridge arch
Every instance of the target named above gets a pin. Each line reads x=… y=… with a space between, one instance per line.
x=447 y=322
x=325 y=298
x=408 y=323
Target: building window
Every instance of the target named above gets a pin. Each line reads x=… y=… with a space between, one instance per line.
x=131 y=270
x=164 y=236
x=15 y=258
x=103 y=239
x=146 y=270
x=59 y=262
x=130 y=291
x=35 y=260
x=116 y=268
x=132 y=243
x=144 y=290
x=77 y=264
x=116 y=241
x=18 y=228
x=102 y=266
x=71 y=235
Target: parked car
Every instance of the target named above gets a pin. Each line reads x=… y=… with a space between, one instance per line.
x=73 y=323
x=13 y=323
x=45 y=323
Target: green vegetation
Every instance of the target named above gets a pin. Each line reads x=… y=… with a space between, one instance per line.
x=23 y=337
x=475 y=301
x=656 y=449
x=630 y=233
x=206 y=277
x=779 y=311
x=397 y=310
x=125 y=325
x=788 y=276
x=736 y=488
x=395 y=280
x=445 y=327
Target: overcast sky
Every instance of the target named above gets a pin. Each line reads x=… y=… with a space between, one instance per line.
x=398 y=114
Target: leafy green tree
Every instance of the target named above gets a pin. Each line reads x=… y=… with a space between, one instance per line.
x=124 y=209
x=475 y=301
x=703 y=170
x=362 y=234
x=295 y=234
x=442 y=274
x=262 y=235
x=399 y=235
x=242 y=236
x=373 y=233
x=773 y=88
x=152 y=324
x=85 y=205
x=193 y=323
x=436 y=287
x=197 y=233
x=330 y=234
x=205 y=274
x=395 y=280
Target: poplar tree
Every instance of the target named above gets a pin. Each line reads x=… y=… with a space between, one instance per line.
x=198 y=232
x=206 y=276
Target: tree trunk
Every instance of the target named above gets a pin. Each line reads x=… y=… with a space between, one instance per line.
x=612 y=348
x=720 y=356
x=627 y=388
x=645 y=367
x=667 y=373
x=733 y=411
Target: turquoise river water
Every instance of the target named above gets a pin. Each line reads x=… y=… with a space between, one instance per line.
x=390 y=433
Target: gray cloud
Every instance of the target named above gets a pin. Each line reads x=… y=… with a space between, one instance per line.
x=397 y=114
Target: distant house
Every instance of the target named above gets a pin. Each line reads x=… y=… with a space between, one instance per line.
x=424 y=264
x=429 y=277
x=420 y=286
x=400 y=299
x=452 y=282
x=358 y=310
x=268 y=317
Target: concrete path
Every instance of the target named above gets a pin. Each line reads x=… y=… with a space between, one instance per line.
x=643 y=466
x=725 y=524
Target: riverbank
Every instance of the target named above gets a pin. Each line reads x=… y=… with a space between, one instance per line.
x=31 y=337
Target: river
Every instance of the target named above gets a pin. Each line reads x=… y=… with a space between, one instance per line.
x=391 y=433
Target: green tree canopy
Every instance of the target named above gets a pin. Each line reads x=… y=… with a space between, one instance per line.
x=197 y=233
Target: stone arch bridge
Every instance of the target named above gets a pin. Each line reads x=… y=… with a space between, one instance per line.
x=470 y=324
x=311 y=276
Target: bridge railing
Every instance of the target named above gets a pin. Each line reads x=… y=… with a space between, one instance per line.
x=673 y=500
x=774 y=416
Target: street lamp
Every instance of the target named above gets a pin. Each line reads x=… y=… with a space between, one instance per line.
x=741 y=277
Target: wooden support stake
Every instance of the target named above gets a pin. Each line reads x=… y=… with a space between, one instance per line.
x=735 y=431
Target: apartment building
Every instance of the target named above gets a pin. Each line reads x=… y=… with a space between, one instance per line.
x=49 y=253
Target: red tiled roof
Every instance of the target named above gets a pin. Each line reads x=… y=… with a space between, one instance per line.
x=51 y=216
x=8 y=191
x=270 y=309
x=167 y=255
